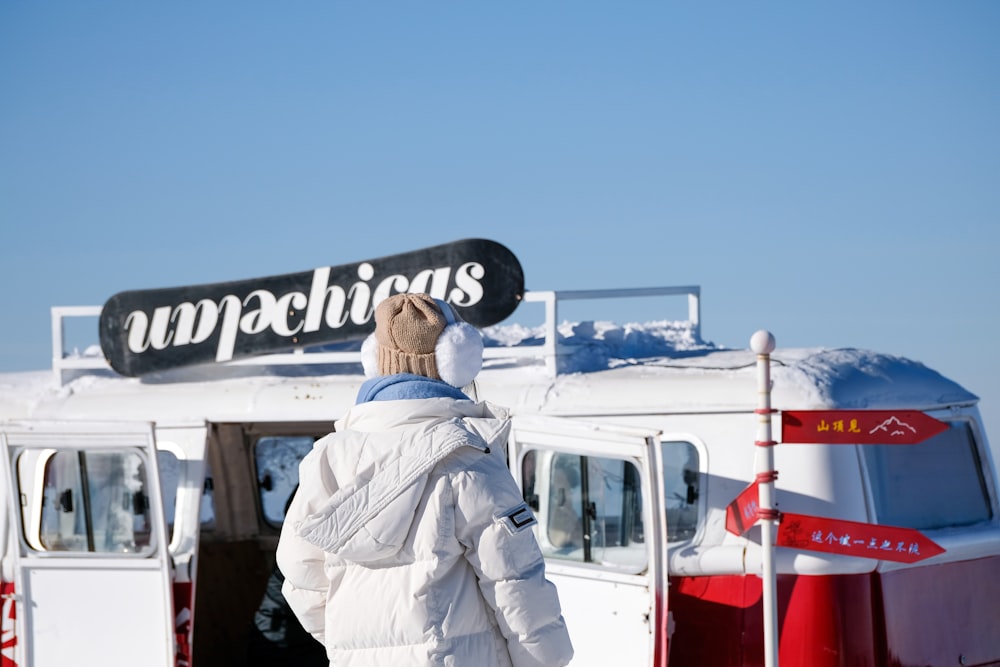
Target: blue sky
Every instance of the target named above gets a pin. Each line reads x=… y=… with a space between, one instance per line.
x=828 y=171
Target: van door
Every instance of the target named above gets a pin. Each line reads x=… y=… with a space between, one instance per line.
x=186 y=489
x=91 y=567
x=602 y=529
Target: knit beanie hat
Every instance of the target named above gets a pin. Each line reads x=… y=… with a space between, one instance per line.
x=418 y=334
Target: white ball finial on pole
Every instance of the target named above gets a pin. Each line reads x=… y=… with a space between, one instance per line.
x=762 y=342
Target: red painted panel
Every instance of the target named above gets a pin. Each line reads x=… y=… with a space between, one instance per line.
x=825 y=621
x=183 y=622
x=913 y=617
x=937 y=615
x=828 y=621
x=708 y=619
x=8 y=627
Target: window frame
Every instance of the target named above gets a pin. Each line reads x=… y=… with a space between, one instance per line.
x=34 y=512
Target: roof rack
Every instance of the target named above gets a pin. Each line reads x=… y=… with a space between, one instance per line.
x=63 y=365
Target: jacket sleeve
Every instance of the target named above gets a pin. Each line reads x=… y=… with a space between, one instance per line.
x=496 y=526
x=306 y=586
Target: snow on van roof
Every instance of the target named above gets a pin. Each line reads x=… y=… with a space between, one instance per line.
x=598 y=365
x=600 y=362
x=847 y=378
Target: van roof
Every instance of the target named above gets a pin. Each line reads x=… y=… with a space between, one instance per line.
x=586 y=368
x=726 y=381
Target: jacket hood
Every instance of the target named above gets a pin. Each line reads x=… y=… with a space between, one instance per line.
x=369 y=520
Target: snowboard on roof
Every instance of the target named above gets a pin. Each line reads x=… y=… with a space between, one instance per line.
x=144 y=331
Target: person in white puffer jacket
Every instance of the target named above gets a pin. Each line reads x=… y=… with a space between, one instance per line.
x=408 y=542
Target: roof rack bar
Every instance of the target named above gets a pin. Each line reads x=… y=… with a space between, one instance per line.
x=693 y=292
x=547 y=352
x=60 y=362
x=549 y=349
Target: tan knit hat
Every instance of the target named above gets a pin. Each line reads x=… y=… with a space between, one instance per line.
x=407 y=327
x=418 y=334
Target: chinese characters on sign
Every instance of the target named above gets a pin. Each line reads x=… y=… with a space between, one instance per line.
x=837 y=426
x=742 y=512
x=852 y=538
x=859 y=427
x=849 y=538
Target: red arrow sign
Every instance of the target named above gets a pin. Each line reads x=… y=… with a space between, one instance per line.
x=742 y=512
x=852 y=538
x=859 y=427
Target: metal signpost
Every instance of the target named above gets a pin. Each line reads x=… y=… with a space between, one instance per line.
x=762 y=343
x=755 y=504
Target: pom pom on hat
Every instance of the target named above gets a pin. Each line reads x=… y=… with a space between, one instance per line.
x=415 y=333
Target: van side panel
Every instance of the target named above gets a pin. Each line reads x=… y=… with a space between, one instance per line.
x=825 y=621
x=935 y=615
x=828 y=621
x=709 y=615
x=943 y=614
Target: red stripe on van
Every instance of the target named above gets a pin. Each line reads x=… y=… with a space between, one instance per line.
x=8 y=625
x=183 y=622
x=911 y=617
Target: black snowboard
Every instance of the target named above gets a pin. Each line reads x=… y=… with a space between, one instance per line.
x=142 y=331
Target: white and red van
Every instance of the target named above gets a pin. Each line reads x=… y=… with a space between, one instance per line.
x=141 y=514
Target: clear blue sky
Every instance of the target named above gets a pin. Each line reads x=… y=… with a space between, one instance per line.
x=829 y=171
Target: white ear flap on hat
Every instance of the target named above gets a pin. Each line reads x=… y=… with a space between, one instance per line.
x=459 y=354
x=369 y=356
x=459 y=350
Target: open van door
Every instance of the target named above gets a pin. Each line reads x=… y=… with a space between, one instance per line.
x=602 y=529
x=90 y=551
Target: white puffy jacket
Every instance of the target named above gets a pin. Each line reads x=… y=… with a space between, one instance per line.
x=408 y=543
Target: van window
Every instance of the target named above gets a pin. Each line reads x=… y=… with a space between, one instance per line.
x=170 y=476
x=934 y=484
x=169 y=466
x=589 y=508
x=92 y=501
x=682 y=488
x=277 y=458
x=206 y=512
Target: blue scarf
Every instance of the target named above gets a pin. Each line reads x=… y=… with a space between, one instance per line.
x=405 y=386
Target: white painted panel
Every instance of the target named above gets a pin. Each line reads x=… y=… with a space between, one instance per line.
x=607 y=620
x=128 y=632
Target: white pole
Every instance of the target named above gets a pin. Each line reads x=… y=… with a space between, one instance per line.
x=762 y=343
